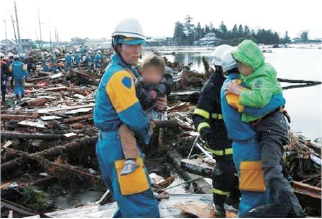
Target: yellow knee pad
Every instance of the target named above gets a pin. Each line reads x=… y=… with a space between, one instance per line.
x=251 y=176
x=132 y=183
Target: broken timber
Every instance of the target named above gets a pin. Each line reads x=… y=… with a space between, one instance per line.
x=52 y=152
x=20 y=135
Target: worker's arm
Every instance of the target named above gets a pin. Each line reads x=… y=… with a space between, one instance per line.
x=259 y=94
x=202 y=113
x=121 y=90
x=276 y=101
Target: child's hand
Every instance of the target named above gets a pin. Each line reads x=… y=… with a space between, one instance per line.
x=233 y=88
x=161 y=103
x=153 y=94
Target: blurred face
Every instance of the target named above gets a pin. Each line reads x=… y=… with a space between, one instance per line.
x=152 y=74
x=245 y=70
x=130 y=53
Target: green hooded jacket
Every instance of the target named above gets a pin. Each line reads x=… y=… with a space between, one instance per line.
x=262 y=83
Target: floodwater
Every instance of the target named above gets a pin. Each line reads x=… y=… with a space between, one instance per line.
x=301 y=62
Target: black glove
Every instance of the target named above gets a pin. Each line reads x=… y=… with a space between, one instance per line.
x=207 y=135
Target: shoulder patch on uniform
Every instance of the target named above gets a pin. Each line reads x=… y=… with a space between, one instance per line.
x=126 y=81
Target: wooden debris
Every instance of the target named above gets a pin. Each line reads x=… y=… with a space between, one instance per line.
x=37 y=102
x=7 y=144
x=65 y=108
x=180 y=107
x=32 y=124
x=17 y=117
x=20 y=135
x=307 y=190
x=20 y=209
x=160 y=182
x=198 y=209
x=197 y=166
x=47 y=118
x=52 y=152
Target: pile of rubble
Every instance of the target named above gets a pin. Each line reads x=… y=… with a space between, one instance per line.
x=49 y=135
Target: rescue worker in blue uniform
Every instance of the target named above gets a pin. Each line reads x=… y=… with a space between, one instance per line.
x=88 y=61
x=97 y=60
x=4 y=75
x=116 y=104
x=68 y=64
x=208 y=120
x=77 y=58
x=42 y=59
x=82 y=50
x=246 y=148
x=19 y=72
x=54 y=66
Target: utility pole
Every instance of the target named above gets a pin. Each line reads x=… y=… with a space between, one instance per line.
x=19 y=39
x=39 y=28
x=14 y=31
x=37 y=39
x=50 y=34
x=57 y=37
x=5 y=28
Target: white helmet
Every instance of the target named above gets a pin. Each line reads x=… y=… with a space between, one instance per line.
x=228 y=62
x=129 y=28
x=220 y=50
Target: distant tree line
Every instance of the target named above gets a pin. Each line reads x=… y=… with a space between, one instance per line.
x=186 y=33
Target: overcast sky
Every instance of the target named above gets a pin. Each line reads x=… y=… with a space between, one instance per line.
x=98 y=18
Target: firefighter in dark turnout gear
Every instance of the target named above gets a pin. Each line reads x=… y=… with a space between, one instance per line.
x=209 y=122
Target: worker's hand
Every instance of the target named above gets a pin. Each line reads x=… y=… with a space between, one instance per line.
x=210 y=140
x=233 y=88
x=287 y=115
x=161 y=103
x=152 y=124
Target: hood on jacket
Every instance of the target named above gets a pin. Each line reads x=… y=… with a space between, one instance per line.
x=249 y=53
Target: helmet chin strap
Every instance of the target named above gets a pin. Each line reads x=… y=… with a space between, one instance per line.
x=114 y=46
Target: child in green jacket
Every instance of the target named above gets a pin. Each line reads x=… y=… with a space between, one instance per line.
x=272 y=131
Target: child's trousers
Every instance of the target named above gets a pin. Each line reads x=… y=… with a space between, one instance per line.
x=273 y=135
x=128 y=141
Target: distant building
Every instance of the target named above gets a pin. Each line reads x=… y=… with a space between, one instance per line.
x=76 y=41
x=157 y=41
x=8 y=45
x=28 y=44
x=296 y=40
x=208 y=39
x=98 y=43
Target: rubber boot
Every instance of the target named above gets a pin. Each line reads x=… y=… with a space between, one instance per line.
x=219 y=208
x=232 y=203
x=220 y=211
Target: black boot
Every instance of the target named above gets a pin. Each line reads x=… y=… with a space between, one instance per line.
x=219 y=201
x=220 y=211
x=233 y=203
